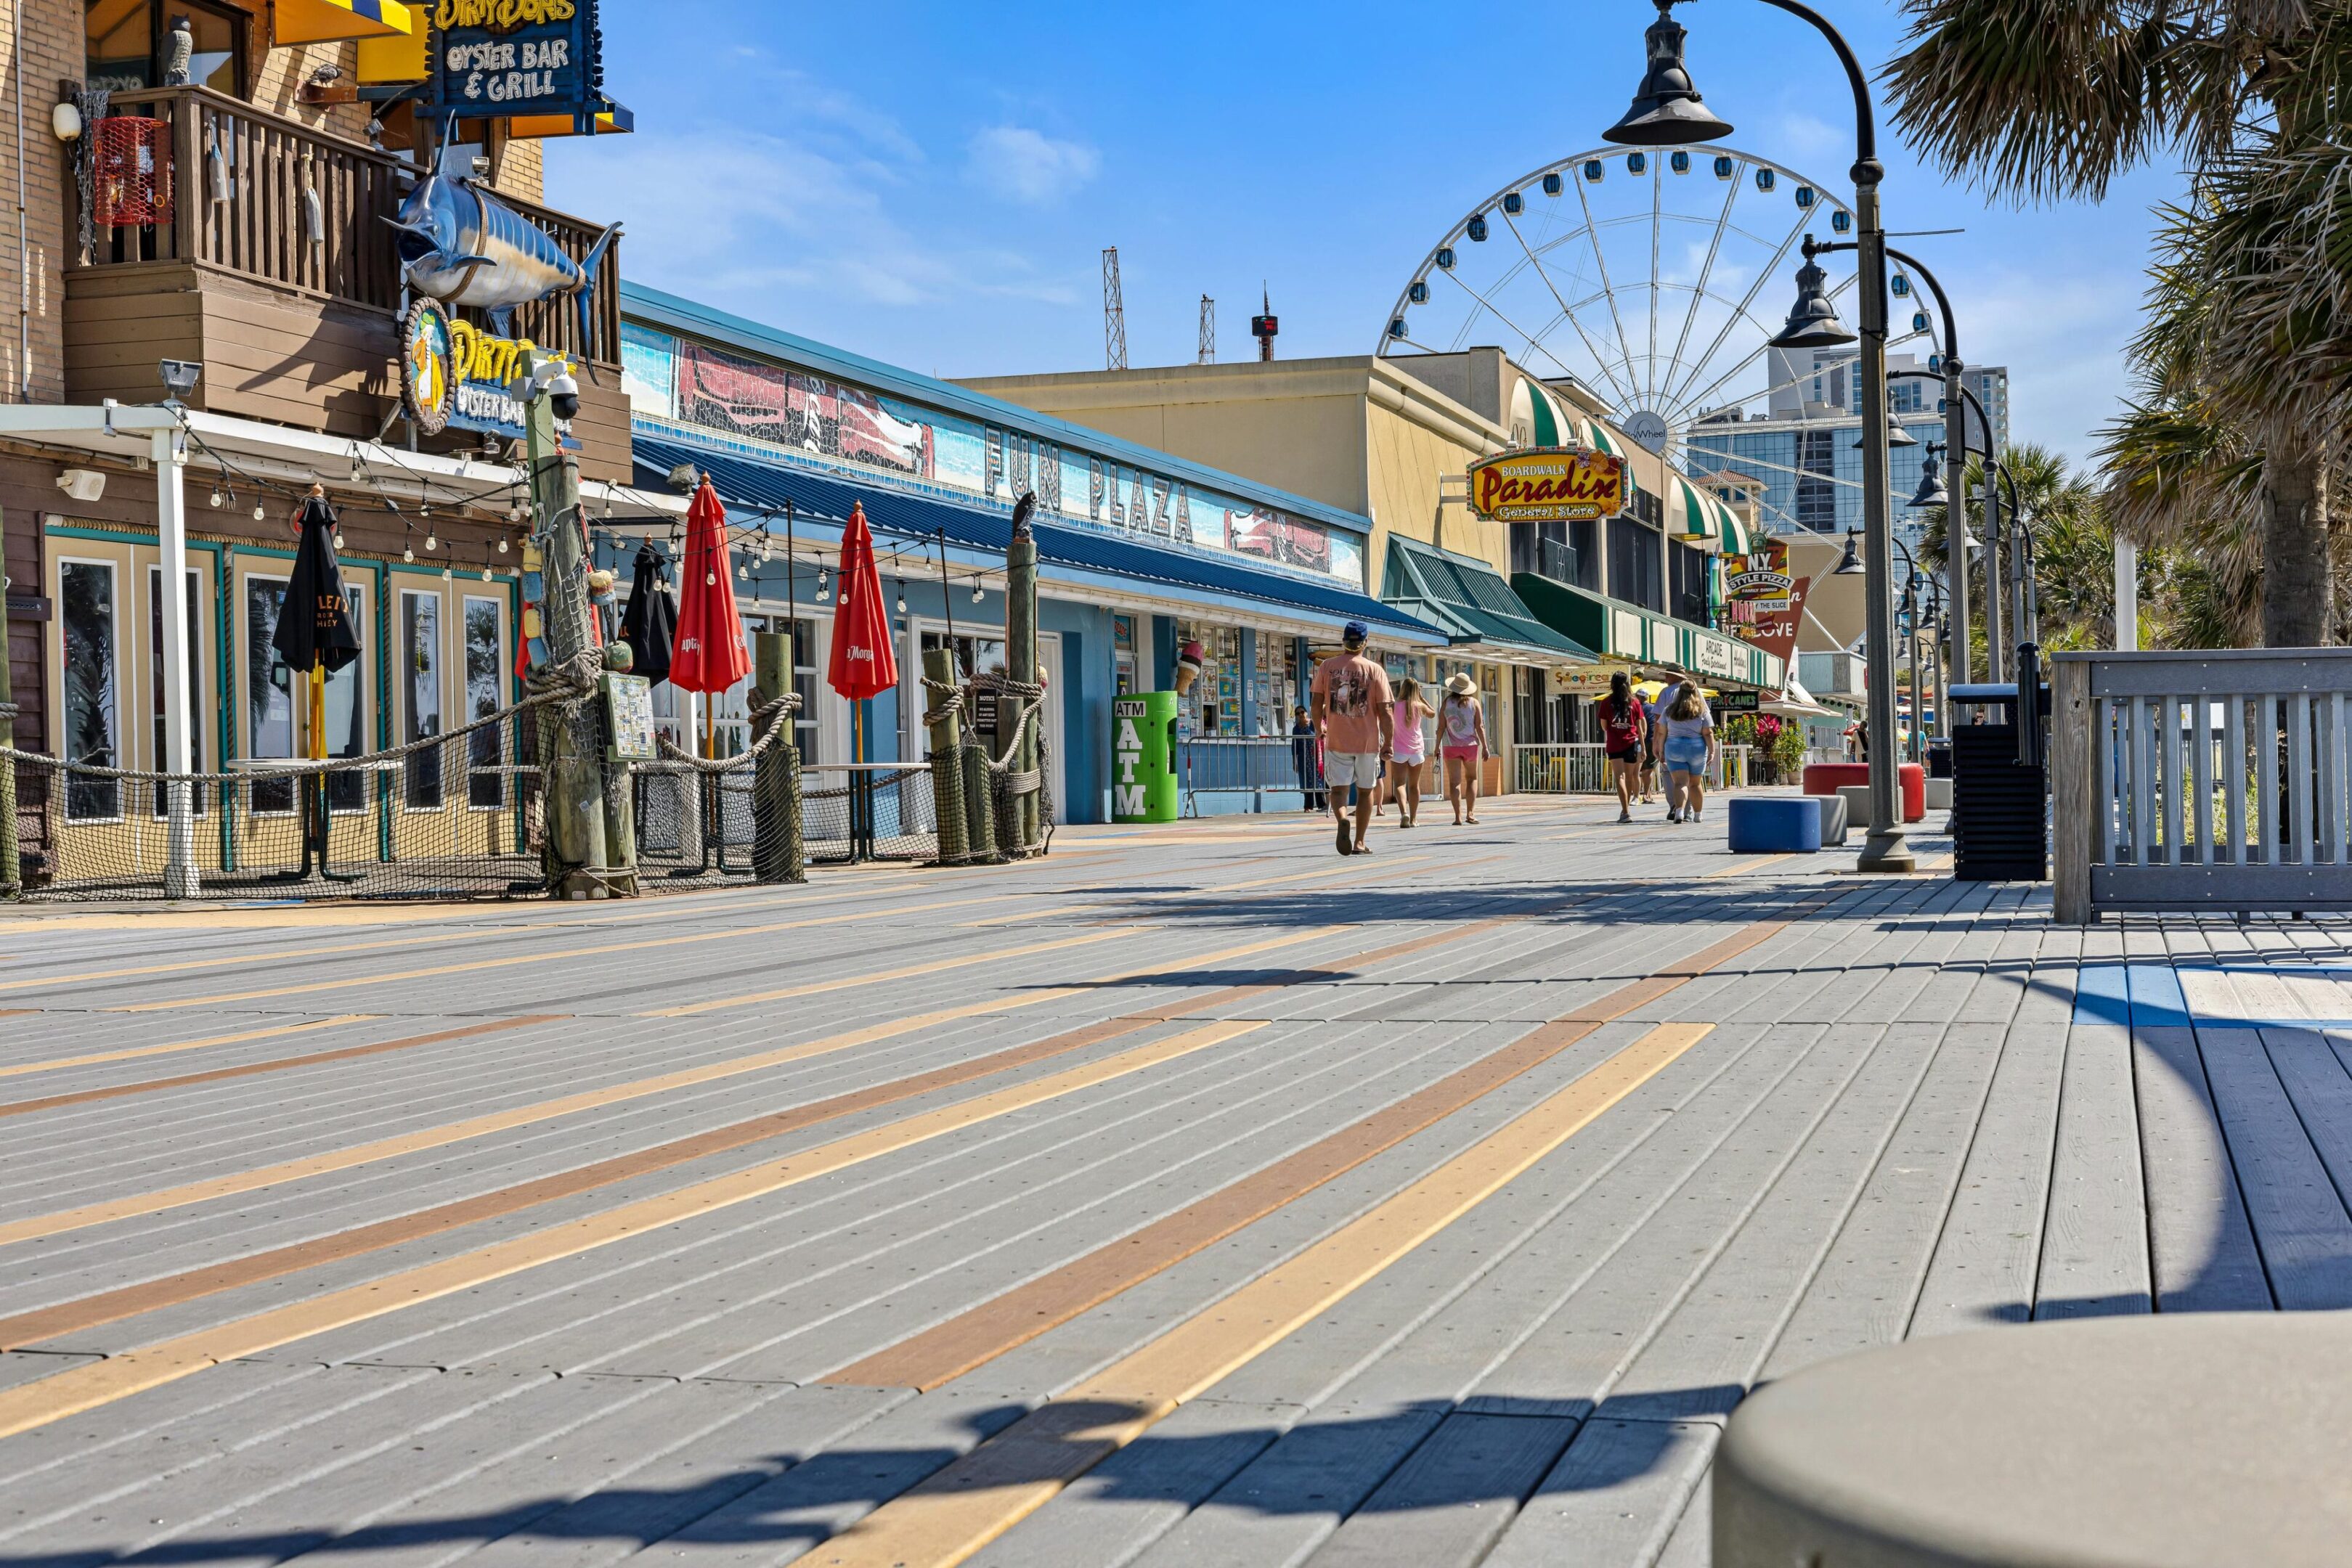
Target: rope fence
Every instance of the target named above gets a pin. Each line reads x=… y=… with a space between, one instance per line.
x=463 y=814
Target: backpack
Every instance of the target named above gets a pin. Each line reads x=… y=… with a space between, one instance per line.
x=1620 y=727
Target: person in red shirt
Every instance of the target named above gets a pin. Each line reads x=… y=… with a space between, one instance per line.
x=1355 y=713
x=1625 y=737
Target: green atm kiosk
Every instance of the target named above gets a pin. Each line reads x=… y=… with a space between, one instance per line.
x=1143 y=758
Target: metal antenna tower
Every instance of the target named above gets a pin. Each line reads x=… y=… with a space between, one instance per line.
x=1208 y=330
x=1114 y=313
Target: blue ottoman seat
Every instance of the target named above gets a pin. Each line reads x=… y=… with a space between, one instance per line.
x=1775 y=824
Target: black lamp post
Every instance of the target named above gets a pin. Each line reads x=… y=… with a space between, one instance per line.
x=1667 y=112
x=1852 y=564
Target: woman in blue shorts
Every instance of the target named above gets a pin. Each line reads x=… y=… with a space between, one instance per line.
x=1689 y=746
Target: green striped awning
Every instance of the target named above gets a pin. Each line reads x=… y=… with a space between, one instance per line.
x=1702 y=517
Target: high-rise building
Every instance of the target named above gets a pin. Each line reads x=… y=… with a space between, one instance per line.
x=1990 y=385
x=1801 y=455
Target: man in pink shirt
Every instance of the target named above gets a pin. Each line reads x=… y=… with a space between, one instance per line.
x=1355 y=713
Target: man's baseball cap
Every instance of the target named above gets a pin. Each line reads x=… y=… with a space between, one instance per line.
x=1354 y=631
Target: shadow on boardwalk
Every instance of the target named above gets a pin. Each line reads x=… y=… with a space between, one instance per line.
x=790 y=1501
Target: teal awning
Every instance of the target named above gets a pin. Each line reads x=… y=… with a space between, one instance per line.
x=1472 y=601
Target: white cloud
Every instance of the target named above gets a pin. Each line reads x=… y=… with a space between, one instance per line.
x=1026 y=166
x=784 y=229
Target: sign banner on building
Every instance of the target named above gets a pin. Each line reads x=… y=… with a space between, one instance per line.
x=1763 y=601
x=1547 y=485
x=454 y=375
x=502 y=58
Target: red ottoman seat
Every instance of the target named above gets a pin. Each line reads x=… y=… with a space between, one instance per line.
x=1829 y=777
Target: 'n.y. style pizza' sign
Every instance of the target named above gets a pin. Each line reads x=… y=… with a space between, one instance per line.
x=1548 y=484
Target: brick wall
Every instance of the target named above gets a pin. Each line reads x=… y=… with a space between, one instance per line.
x=52 y=34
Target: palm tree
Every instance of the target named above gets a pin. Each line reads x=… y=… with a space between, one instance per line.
x=2074 y=545
x=2250 y=333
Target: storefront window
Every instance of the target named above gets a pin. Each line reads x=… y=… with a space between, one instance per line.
x=85 y=614
x=268 y=691
x=195 y=680
x=1271 y=687
x=127 y=44
x=1213 y=706
x=485 y=788
x=420 y=684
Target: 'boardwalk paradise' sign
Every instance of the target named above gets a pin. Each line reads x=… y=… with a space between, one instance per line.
x=1548 y=484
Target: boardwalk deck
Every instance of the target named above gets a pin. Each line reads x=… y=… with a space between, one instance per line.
x=1431 y=1209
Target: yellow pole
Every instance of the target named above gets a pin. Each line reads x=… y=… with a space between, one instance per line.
x=316 y=785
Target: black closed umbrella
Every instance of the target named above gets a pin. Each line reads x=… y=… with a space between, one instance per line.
x=314 y=635
x=650 y=624
x=314 y=629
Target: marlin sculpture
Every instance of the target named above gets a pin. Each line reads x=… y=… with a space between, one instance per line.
x=462 y=245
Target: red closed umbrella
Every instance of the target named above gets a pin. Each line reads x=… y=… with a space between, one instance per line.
x=708 y=656
x=863 y=664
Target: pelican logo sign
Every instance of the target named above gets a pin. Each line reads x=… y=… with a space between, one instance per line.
x=1547 y=485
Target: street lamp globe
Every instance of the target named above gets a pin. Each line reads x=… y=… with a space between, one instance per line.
x=1931 y=492
x=1813 y=320
x=1666 y=112
x=1850 y=563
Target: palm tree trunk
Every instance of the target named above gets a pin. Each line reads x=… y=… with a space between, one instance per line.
x=2298 y=577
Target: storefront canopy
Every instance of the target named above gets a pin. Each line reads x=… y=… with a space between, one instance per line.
x=1628 y=632
x=751 y=483
x=1473 y=602
x=1702 y=517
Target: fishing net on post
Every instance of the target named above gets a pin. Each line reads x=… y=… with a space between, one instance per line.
x=453 y=815
x=990 y=790
x=461 y=814
x=712 y=820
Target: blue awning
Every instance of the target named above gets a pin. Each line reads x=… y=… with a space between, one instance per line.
x=747 y=482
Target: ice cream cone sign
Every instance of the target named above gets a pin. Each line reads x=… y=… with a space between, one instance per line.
x=1188 y=660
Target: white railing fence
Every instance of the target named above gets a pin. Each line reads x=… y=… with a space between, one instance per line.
x=2201 y=781
x=1581 y=768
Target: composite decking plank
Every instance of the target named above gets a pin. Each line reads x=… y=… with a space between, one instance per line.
x=2094 y=1243
x=2299 y=1220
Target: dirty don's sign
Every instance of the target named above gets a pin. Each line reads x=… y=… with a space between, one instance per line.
x=1547 y=485
x=494 y=58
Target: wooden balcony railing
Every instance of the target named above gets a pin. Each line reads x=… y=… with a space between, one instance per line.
x=270 y=198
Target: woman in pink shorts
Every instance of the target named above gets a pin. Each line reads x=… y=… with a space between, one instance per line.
x=1462 y=742
x=1405 y=761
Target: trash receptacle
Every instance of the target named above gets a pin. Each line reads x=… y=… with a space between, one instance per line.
x=1142 y=756
x=1940 y=757
x=2000 y=805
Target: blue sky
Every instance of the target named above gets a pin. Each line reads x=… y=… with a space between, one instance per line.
x=933 y=185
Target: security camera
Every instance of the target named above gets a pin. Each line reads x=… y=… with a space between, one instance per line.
x=563 y=396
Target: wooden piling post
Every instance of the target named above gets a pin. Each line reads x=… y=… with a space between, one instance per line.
x=573 y=745
x=979 y=811
x=947 y=757
x=1021 y=663
x=776 y=851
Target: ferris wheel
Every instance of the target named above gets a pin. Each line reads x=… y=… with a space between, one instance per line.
x=1654 y=277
